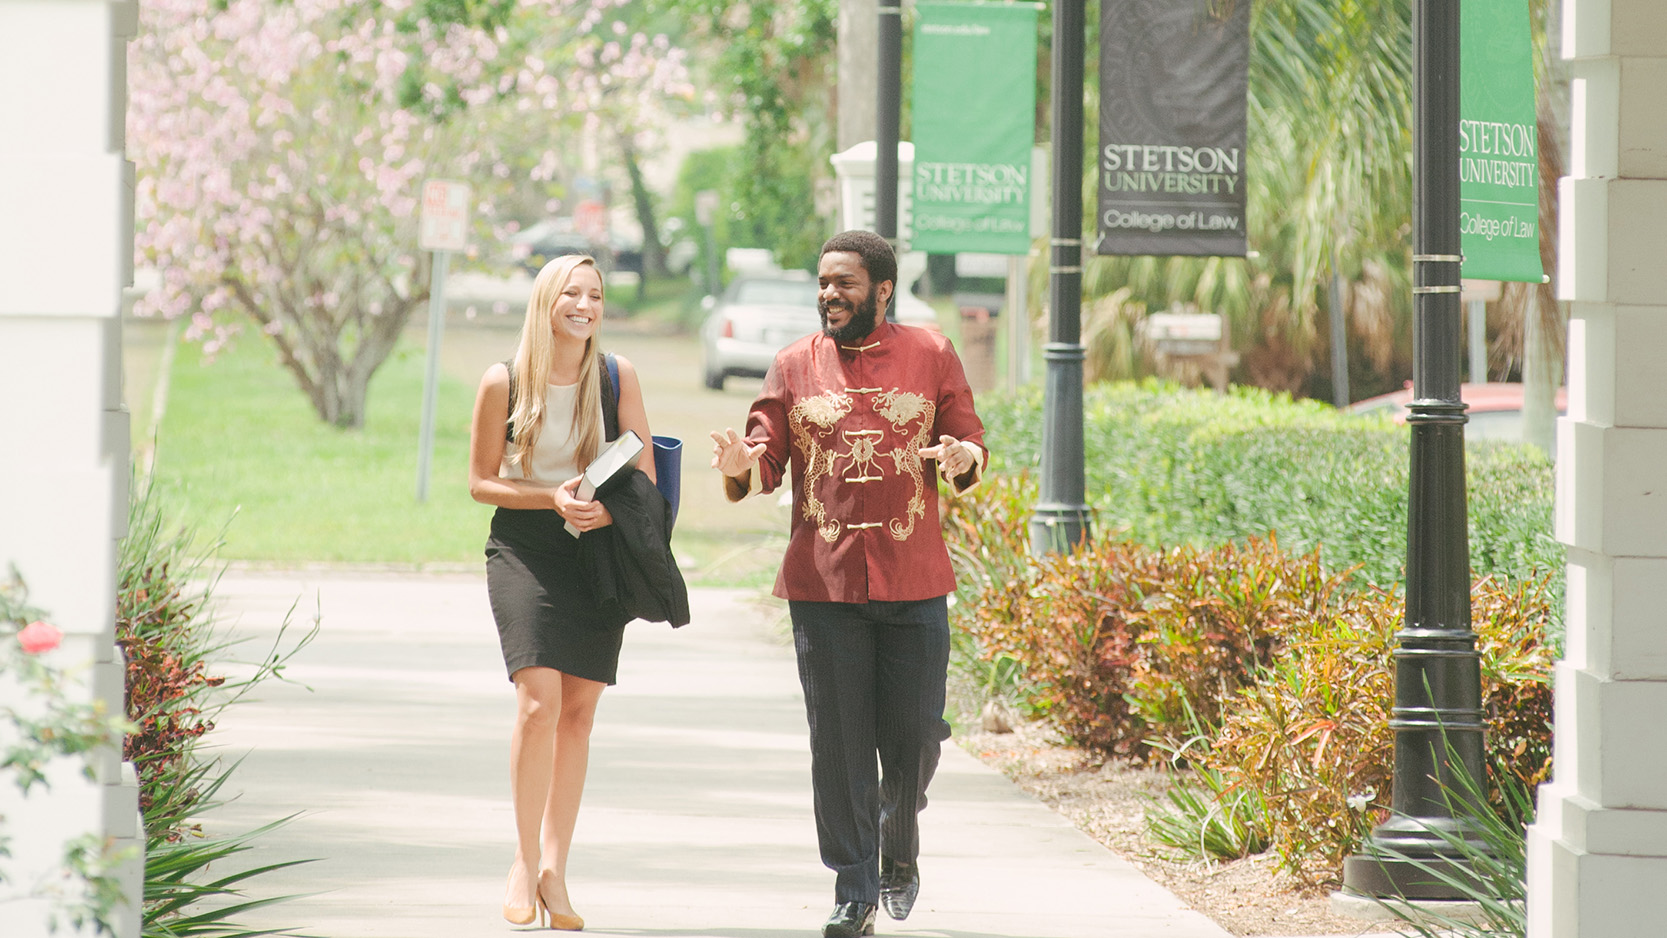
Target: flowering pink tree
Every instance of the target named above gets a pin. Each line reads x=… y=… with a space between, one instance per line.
x=281 y=146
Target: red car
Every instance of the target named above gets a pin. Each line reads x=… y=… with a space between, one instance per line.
x=1495 y=408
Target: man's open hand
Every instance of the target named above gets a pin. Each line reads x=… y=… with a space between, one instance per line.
x=732 y=455
x=954 y=456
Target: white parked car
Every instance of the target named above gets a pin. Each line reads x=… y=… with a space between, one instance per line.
x=763 y=311
x=758 y=315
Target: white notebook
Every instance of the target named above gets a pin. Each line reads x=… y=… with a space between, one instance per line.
x=616 y=460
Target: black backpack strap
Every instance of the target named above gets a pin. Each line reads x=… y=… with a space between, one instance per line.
x=509 y=422
x=610 y=397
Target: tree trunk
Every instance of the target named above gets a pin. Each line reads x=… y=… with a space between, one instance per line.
x=1339 y=335
x=310 y=346
x=653 y=255
x=378 y=336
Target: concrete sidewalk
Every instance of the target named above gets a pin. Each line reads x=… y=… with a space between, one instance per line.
x=697 y=817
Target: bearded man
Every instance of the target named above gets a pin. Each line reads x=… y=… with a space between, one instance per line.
x=861 y=419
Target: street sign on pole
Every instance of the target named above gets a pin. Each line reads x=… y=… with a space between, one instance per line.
x=444 y=223
x=1173 y=128
x=590 y=218
x=443 y=227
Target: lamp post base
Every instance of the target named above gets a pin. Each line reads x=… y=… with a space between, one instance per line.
x=1417 y=858
x=1057 y=528
x=1402 y=878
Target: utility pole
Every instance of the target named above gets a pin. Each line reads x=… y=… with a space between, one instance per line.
x=1061 y=519
x=1437 y=717
x=857 y=72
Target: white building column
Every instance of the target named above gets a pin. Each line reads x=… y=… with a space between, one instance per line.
x=1598 y=851
x=66 y=250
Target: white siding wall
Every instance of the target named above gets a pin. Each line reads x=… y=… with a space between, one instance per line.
x=66 y=250
x=1598 y=852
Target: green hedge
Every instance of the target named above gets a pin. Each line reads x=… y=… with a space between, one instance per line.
x=1171 y=466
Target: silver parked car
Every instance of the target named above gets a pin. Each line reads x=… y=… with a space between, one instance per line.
x=759 y=314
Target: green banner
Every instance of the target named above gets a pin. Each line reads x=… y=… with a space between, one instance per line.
x=974 y=118
x=1499 y=152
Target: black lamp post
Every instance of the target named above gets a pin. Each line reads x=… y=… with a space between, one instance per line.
x=888 y=125
x=1061 y=519
x=888 y=118
x=1438 y=710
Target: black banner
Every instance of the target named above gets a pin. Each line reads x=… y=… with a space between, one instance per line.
x=1172 y=126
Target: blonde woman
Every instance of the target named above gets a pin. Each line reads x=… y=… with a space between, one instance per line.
x=536 y=426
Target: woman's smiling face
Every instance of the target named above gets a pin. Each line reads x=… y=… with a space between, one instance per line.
x=578 y=309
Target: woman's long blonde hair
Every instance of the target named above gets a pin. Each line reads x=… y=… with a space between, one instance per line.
x=533 y=359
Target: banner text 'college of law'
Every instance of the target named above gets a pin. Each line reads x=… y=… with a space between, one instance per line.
x=1173 y=78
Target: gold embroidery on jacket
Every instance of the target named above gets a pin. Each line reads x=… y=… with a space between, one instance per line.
x=863 y=454
x=811 y=421
x=900 y=408
x=808 y=422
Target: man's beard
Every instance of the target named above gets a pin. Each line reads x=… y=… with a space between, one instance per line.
x=858 y=326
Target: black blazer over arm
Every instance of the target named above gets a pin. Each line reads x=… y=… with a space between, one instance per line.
x=630 y=561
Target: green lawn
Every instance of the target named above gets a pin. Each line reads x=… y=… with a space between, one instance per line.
x=240 y=449
x=239 y=439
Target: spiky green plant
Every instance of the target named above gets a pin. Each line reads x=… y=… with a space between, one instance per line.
x=164 y=625
x=1209 y=818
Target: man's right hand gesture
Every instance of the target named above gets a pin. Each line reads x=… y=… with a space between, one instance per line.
x=733 y=456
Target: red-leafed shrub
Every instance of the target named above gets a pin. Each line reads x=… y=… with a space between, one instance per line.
x=1313 y=734
x=1510 y=621
x=1262 y=666
x=1125 y=646
x=159 y=629
x=1058 y=615
x=1210 y=622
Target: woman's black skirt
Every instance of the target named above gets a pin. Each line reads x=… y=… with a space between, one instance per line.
x=546 y=611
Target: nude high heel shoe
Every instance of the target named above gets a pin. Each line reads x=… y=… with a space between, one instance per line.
x=522 y=914
x=558 y=921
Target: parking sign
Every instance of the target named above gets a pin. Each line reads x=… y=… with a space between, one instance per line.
x=444 y=224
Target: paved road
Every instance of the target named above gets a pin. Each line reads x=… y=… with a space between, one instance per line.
x=696 y=819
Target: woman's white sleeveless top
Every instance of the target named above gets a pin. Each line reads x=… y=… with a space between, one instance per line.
x=554 y=458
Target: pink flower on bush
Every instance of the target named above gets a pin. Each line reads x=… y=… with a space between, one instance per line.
x=39 y=636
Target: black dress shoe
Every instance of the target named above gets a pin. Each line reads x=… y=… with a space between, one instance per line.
x=899 y=884
x=850 y=920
